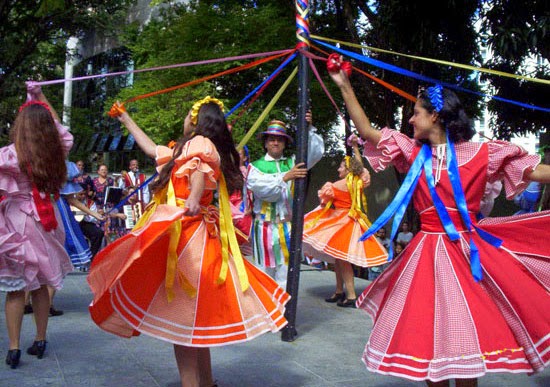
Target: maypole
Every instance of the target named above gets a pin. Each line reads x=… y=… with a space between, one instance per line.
x=293 y=280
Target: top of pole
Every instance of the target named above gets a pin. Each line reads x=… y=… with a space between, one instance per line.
x=302 y=24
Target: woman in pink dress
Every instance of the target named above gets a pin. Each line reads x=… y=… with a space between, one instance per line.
x=32 y=254
x=463 y=298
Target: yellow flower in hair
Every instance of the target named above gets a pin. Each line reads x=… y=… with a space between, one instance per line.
x=197 y=106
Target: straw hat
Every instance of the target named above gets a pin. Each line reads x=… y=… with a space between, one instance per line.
x=276 y=128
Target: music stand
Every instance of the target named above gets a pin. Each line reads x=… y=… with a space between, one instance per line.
x=112 y=196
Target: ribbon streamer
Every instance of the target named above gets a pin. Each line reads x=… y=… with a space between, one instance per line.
x=399 y=70
x=266 y=111
x=188 y=64
x=438 y=61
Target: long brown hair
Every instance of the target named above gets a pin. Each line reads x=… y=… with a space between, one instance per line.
x=40 y=153
x=211 y=124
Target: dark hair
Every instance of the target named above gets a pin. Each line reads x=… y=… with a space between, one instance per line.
x=39 y=148
x=211 y=124
x=452 y=115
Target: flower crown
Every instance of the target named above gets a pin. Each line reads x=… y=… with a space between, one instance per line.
x=197 y=106
x=34 y=102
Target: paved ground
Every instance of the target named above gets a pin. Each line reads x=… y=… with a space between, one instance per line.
x=326 y=352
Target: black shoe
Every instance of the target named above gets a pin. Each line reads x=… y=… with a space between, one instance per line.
x=55 y=312
x=28 y=309
x=347 y=303
x=336 y=297
x=13 y=358
x=38 y=348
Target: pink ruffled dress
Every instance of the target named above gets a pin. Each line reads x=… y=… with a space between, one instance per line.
x=30 y=256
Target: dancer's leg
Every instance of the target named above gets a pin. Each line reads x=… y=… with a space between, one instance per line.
x=205 y=368
x=41 y=308
x=187 y=359
x=339 y=278
x=466 y=382
x=15 y=304
x=349 y=279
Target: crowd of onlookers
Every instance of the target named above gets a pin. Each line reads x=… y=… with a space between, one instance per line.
x=114 y=196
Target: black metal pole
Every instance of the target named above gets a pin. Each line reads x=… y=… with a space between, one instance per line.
x=289 y=332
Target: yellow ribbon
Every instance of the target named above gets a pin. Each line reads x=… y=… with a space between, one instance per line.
x=159 y=197
x=313 y=222
x=172 y=259
x=438 y=61
x=267 y=109
x=282 y=241
x=229 y=240
x=358 y=200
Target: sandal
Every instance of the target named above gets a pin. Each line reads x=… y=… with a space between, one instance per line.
x=347 y=303
x=336 y=297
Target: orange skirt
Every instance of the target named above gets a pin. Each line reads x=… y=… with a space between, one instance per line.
x=336 y=236
x=127 y=279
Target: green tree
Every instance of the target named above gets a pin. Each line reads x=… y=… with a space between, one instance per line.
x=33 y=35
x=517 y=31
x=201 y=30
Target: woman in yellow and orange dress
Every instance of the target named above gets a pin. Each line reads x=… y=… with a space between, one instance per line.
x=179 y=275
x=332 y=230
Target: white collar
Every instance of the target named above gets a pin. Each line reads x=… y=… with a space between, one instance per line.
x=269 y=158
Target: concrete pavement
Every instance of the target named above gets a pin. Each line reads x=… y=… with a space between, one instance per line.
x=326 y=352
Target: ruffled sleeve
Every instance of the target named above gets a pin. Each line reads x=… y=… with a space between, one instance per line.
x=326 y=193
x=199 y=154
x=394 y=148
x=509 y=162
x=9 y=169
x=71 y=186
x=66 y=137
x=163 y=156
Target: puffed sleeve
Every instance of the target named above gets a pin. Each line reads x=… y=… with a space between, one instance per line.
x=9 y=168
x=65 y=136
x=315 y=147
x=394 y=148
x=199 y=154
x=268 y=187
x=326 y=193
x=509 y=162
x=71 y=187
x=163 y=154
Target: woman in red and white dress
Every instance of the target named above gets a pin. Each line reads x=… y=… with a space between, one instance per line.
x=463 y=298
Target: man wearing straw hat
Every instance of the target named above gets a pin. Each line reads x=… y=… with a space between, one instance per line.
x=271 y=181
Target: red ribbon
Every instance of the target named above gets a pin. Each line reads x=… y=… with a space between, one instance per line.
x=334 y=64
x=45 y=209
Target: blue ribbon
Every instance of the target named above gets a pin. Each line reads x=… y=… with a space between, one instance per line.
x=399 y=204
x=408 y=73
x=460 y=199
x=438 y=203
x=274 y=74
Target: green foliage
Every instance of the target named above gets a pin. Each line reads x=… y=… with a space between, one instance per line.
x=33 y=36
x=518 y=30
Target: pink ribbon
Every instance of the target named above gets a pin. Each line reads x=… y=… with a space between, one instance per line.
x=209 y=61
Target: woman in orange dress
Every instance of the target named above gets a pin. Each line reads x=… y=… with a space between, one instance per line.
x=332 y=230
x=179 y=275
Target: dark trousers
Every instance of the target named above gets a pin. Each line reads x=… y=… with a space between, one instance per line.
x=94 y=235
